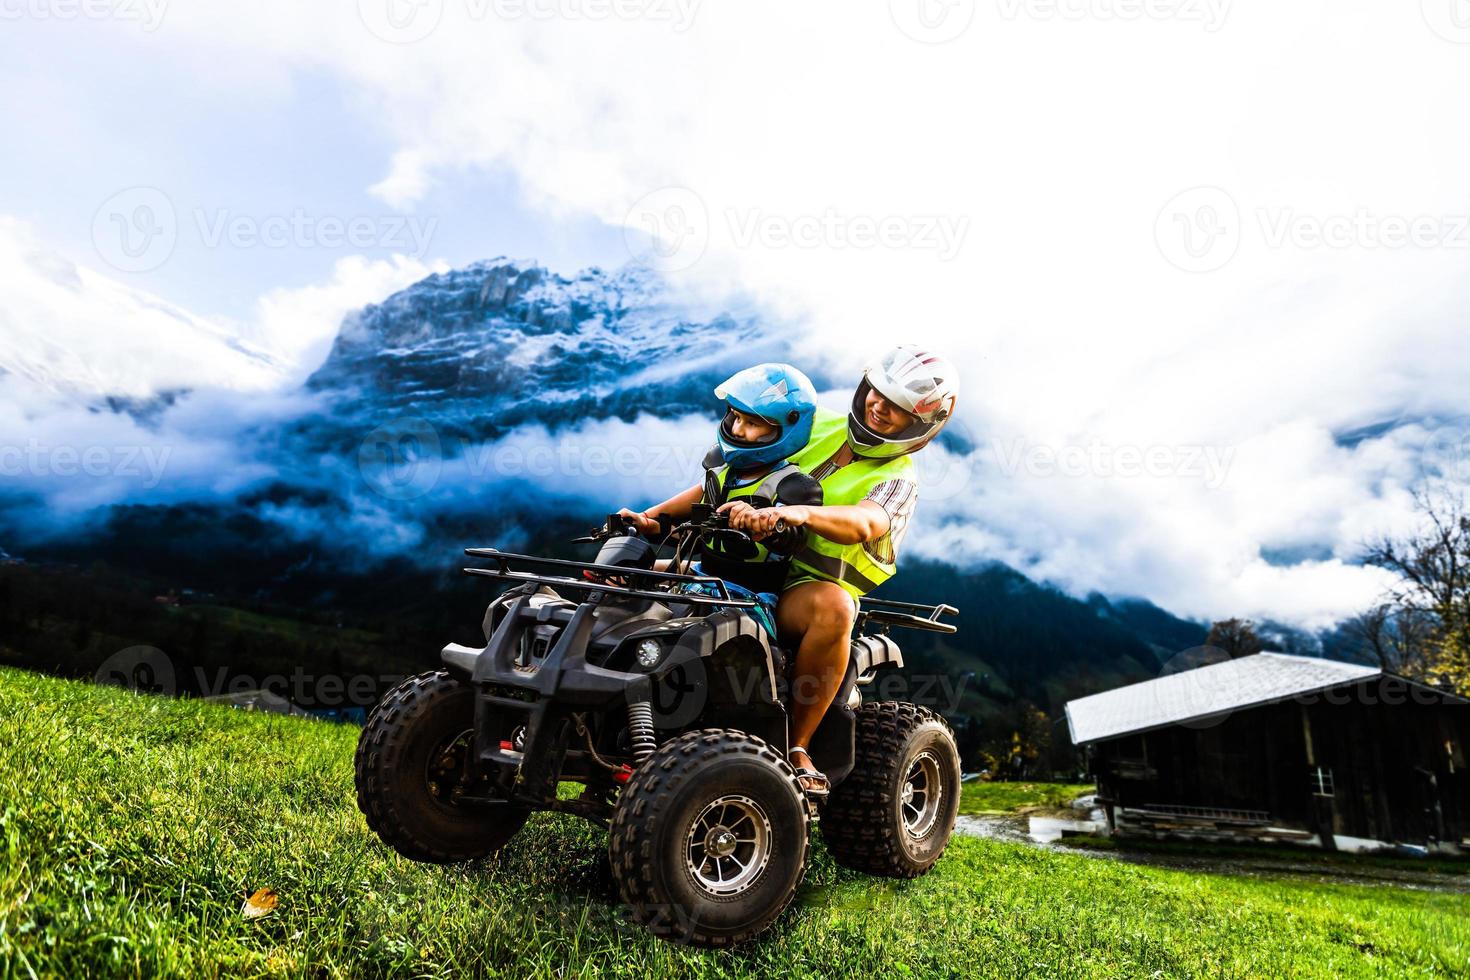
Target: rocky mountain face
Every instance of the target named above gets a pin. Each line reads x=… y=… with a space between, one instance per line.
x=498 y=344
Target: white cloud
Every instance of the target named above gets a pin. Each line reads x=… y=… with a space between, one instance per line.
x=1060 y=140
x=74 y=331
x=71 y=330
x=299 y=325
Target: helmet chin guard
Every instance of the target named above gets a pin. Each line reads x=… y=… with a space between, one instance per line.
x=921 y=383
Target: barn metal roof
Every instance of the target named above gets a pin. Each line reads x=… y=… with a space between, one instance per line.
x=1205 y=692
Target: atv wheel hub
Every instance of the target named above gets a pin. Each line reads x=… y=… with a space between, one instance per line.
x=728 y=845
x=920 y=797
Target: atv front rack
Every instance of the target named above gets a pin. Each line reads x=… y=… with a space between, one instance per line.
x=913 y=615
x=505 y=572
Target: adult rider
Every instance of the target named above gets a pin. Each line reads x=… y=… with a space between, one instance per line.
x=869 y=489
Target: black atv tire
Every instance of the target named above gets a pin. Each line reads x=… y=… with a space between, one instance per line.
x=870 y=822
x=418 y=722
x=668 y=838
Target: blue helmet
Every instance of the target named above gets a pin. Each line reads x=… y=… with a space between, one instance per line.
x=781 y=395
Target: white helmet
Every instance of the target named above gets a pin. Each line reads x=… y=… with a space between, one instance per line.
x=921 y=383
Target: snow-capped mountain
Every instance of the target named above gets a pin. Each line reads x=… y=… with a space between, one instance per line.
x=481 y=350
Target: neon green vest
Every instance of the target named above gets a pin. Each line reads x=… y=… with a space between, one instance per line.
x=853 y=566
x=764 y=486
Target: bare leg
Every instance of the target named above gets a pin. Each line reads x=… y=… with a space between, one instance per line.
x=818 y=615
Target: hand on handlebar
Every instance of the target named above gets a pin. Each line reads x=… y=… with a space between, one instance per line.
x=761 y=524
x=645 y=524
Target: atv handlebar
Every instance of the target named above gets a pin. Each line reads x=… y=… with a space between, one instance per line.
x=703 y=520
x=643 y=587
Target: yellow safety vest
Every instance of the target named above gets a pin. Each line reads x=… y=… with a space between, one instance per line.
x=722 y=493
x=855 y=567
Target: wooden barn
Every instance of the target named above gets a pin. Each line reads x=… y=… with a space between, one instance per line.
x=1271 y=746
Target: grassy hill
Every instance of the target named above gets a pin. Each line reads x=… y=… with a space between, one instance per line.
x=133 y=828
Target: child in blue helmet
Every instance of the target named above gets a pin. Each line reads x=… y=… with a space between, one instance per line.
x=769 y=411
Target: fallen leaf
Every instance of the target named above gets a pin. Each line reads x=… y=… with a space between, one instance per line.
x=259 y=904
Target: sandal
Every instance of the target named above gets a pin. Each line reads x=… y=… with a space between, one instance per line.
x=823 y=789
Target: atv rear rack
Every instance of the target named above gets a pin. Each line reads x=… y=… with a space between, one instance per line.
x=504 y=572
x=912 y=615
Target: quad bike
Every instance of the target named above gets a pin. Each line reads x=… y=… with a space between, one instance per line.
x=664 y=694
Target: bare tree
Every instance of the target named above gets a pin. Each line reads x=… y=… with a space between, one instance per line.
x=1237 y=637
x=1423 y=627
x=1433 y=564
x=1400 y=639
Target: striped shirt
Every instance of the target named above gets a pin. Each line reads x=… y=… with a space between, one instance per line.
x=897 y=498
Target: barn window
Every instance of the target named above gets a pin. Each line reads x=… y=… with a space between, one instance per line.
x=1321 y=780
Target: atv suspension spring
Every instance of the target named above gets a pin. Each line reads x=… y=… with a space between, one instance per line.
x=640 y=730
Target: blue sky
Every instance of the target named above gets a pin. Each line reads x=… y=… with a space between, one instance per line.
x=92 y=113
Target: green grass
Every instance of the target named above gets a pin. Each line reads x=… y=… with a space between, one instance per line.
x=978 y=797
x=132 y=829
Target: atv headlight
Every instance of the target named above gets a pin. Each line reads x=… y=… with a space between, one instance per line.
x=649 y=651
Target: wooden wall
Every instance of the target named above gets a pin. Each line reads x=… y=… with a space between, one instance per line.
x=1396 y=754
